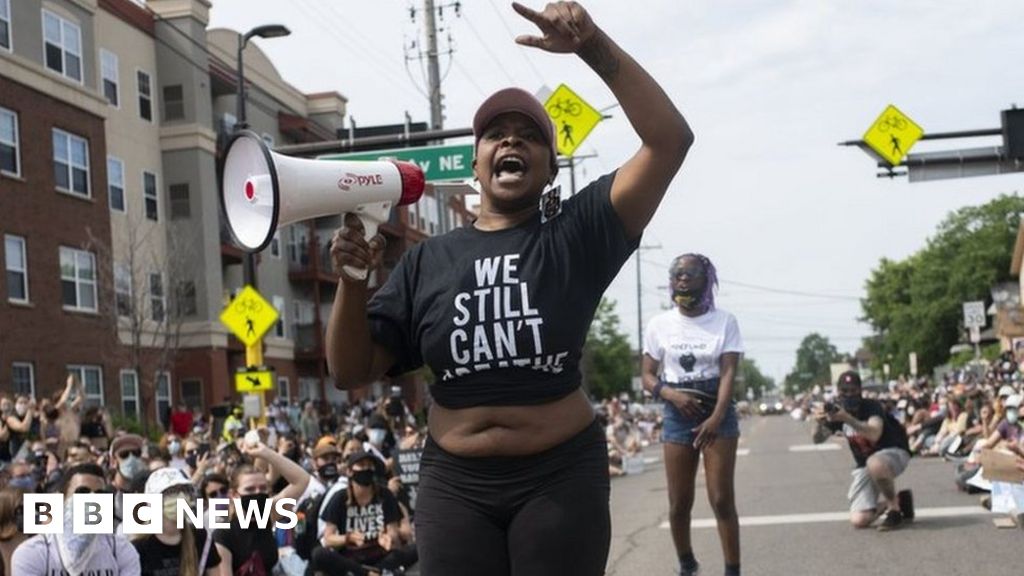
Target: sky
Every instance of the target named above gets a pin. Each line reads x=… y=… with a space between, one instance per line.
x=793 y=222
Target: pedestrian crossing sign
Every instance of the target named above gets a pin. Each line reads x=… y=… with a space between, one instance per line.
x=249 y=316
x=892 y=135
x=254 y=380
x=573 y=118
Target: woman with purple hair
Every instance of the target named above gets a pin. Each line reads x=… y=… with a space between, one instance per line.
x=691 y=354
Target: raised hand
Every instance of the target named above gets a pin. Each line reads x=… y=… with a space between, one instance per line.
x=565 y=26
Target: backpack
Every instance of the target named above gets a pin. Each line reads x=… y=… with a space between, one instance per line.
x=306 y=529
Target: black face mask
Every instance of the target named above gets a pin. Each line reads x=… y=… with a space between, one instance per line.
x=689 y=299
x=191 y=460
x=258 y=499
x=363 y=477
x=851 y=403
x=328 y=472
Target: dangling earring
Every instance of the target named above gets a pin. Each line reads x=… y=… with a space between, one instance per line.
x=550 y=202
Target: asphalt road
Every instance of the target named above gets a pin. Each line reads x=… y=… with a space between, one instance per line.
x=793 y=514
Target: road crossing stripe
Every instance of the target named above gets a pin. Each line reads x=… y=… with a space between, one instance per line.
x=826 y=447
x=816 y=518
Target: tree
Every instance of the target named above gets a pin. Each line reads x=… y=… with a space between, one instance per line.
x=608 y=363
x=146 y=310
x=915 y=304
x=750 y=377
x=814 y=359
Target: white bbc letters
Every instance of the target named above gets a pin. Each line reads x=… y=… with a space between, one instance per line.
x=44 y=514
x=143 y=514
x=92 y=513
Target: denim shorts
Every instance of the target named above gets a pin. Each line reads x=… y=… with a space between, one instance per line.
x=680 y=429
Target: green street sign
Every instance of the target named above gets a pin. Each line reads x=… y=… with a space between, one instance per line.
x=438 y=163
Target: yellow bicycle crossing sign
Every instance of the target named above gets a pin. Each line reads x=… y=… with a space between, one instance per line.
x=249 y=316
x=573 y=118
x=892 y=134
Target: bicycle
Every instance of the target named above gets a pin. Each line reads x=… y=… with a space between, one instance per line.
x=567 y=106
x=892 y=122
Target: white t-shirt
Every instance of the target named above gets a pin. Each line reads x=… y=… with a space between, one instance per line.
x=39 y=556
x=689 y=349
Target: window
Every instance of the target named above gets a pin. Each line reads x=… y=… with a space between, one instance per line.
x=157 y=301
x=268 y=140
x=145 y=89
x=279 y=327
x=91 y=378
x=123 y=289
x=275 y=244
x=110 y=78
x=71 y=162
x=185 y=297
x=174 y=103
x=163 y=397
x=17 y=268
x=282 y=389
x=130 y=394
x=10 y=157
x=5 y=24
x=115 y=183
x=192 y=393
x=78 y=279
x=309 y=388
x=180 y=207
x=23 y=375
x=62 y=44
x=152 y=204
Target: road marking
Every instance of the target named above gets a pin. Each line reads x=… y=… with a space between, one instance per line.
x=816 y=518
x=827 y=447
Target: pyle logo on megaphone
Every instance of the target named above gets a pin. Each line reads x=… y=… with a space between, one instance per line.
x=350 y=180
x=262 y=190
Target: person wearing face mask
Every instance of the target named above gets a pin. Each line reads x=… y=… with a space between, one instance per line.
x=691 y=354
x=175 y=452
x=76 y=554
x=19 y=421
x=361 y=529
x=252 y=549
x=1009 y=431
x=175 y=552
x=880 y=449
x=129 y=466
x=379 y=435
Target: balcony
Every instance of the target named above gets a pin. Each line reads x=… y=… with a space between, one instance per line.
x=310 y=262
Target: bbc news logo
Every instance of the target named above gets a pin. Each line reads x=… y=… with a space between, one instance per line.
x=144 y=513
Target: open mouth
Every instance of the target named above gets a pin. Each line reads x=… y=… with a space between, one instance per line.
x=510 y=167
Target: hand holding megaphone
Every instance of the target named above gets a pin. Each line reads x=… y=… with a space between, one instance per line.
x=352 y=254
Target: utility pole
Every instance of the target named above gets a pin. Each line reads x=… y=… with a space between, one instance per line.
x=433 y=68
x=640 y=309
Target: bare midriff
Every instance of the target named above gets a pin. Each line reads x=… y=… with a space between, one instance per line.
x=510 y=430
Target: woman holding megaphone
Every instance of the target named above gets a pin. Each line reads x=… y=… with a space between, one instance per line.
x=514 y=474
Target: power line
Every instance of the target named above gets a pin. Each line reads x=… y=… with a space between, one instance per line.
x=487 y=48
x=525 y=53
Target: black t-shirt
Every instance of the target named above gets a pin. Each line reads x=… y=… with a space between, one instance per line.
x=93 y=430
x=371 y=520
x=893 y=433
x=244 y=543
x=501 y=316
x=159 y=559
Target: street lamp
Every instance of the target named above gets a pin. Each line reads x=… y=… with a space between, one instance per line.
x=265 y=31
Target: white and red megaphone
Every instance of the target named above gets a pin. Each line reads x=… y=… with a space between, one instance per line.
x=262 y=190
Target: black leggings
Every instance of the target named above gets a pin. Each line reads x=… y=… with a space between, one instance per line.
x=329 y=561
x=539 y=515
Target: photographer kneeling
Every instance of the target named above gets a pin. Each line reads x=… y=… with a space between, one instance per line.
x=879 y=446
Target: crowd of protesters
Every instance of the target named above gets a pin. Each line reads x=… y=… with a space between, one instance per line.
x=956 y=418
x=351 y=468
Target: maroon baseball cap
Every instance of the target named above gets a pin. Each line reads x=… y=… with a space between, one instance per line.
x=521 y=101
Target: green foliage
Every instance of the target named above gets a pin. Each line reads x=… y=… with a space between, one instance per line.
x=750 y=377
x=989 y=353
x=608 y=362
x=915 y=304
x=814 y=359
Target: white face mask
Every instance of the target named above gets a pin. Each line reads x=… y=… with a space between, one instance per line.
x=76 y=550
x=376 y=436
x=1012 y=415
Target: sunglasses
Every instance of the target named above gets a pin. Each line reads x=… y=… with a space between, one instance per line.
x=124 y=454
x=217 y=494
x=689 y=273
